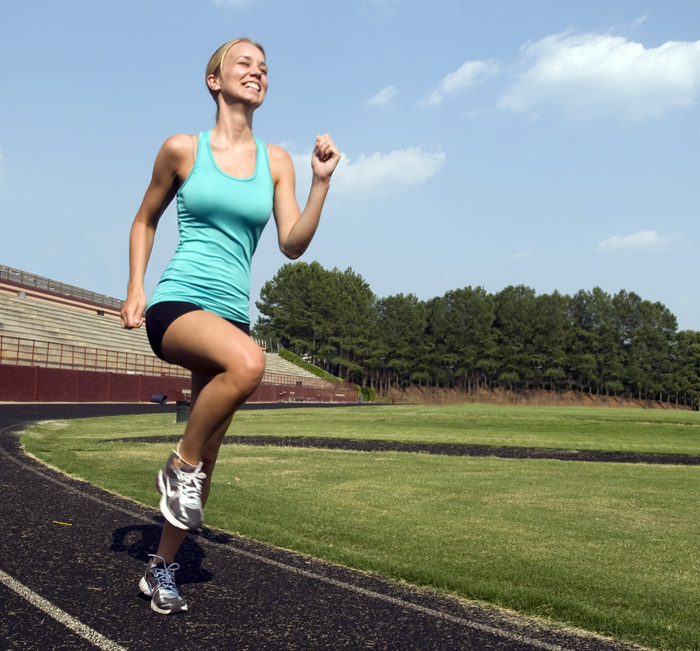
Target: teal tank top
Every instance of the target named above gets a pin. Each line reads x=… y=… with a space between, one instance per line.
x=220 y=219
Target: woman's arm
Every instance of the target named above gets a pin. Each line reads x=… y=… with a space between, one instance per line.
x=296 y=229
x=167 y=172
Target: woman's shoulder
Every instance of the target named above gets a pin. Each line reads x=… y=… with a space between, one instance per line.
x=278 y=155
x=178 y=150
x=179 y=144
x=281 y=163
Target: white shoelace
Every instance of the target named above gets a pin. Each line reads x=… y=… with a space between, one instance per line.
x=191 y=487
x=166 y=576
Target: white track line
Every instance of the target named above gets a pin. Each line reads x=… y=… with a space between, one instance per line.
x=515 y=637
x=408 y=605
x=59 y=615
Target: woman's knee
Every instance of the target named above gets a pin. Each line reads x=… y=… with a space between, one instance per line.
x=247 y=371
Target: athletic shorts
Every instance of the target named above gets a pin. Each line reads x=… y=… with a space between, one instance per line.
x=160 y=315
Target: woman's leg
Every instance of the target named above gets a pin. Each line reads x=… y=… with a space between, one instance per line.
x=233 y=364
x=213 y=347
x=172 y=537
x=158 y=581
x=227 y=366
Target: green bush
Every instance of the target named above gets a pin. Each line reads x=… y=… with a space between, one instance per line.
x=302 y=363
x=368 y=393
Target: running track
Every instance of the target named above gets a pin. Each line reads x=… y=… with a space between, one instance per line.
x=71 y=556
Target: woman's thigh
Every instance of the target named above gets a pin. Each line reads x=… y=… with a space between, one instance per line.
x=207 y=344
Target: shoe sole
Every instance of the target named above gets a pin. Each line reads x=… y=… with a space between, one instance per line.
x=167 y=513
x=162 y=611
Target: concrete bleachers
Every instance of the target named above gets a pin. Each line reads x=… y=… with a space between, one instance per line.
x=40 y=319
x=69 y=332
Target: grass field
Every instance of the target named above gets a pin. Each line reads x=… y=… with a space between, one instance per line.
x=611 y=548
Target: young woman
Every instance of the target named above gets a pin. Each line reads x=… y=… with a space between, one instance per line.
x=226 y=182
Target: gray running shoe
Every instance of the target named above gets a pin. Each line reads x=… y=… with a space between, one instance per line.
x=181 y=490
x=158 y=583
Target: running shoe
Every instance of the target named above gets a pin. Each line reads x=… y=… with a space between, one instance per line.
x=181 y=490
x=158 y=583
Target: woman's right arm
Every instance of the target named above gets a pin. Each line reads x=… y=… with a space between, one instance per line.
x=168 y=170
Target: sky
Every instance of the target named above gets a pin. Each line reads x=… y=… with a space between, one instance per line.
x=547 y=143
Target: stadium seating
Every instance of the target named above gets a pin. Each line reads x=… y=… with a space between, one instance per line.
x=43 y=319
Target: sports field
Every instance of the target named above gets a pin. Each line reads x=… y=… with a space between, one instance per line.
x=606 y=547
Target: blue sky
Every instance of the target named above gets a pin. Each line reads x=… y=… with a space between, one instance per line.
x=550 y=143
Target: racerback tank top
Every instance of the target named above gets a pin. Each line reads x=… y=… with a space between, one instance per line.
x=220 y=220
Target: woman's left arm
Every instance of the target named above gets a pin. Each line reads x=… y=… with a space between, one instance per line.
x=296 y=229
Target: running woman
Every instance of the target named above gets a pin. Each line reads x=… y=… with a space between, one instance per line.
x=226 y=183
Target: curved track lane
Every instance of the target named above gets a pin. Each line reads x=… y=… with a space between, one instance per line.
x=71 y=556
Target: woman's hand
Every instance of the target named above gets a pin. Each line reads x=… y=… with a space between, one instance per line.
x=132 y=310
x=325 y=158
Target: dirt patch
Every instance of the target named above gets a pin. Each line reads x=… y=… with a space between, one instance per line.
x=530 y=397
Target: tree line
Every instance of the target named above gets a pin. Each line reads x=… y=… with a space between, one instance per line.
x=616 y=345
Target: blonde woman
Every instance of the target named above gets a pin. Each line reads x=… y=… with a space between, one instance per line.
x=226 y=183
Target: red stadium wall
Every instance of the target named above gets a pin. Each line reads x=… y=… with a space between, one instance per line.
x=18 y=383
x=33 y=383
x=38 y=384
x=288 y=393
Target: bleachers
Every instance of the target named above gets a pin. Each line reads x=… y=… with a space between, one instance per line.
x=71 y=333
x=31 y=317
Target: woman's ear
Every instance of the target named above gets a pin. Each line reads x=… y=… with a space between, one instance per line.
x=213 y=82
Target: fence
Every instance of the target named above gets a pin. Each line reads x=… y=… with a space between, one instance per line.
x=46 y=354
x=16 y=351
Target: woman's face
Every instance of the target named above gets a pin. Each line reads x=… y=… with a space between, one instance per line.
x=244 y=73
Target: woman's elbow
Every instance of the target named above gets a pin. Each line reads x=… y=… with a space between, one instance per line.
x=292 y=251
x=292 y=254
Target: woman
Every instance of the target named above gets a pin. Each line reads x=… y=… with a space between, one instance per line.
x=226 y=182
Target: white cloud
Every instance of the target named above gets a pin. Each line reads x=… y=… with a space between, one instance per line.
x=384 y=96
x=639 y=21
x=591 y=76
x=375 y=174
x=528 y=253
x=469 y=74
x=640 y=241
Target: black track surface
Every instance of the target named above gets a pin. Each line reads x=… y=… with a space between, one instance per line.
x=81 y=551
x=448 y=449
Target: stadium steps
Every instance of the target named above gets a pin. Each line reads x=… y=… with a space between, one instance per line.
x=80 y=325
x=32 y=318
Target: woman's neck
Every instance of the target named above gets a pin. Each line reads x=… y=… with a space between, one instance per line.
x=234 y=126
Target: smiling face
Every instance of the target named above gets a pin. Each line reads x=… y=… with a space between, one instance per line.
x=241 y=74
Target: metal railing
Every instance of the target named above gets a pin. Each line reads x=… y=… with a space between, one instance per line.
x=271 y=377
x=54 y=286
x=29 y=352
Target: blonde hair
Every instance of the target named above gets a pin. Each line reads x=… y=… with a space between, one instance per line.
x=217 y=59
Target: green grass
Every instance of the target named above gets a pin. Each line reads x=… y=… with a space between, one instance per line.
x=575 y=428
x=611 y=548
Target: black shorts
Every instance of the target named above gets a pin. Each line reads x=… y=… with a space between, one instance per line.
x=160 y=315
